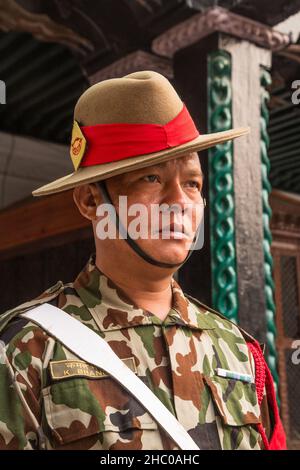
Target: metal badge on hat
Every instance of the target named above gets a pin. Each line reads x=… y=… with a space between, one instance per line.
x=78 y=145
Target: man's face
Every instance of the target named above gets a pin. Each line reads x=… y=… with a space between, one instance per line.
x=174 y=187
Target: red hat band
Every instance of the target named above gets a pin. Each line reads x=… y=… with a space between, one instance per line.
x=111 y=142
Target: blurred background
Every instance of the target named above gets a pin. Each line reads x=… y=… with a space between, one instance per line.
x=234 y=63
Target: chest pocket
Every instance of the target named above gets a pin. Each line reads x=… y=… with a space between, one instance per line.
x=237 y=412
x=99 y=414
x=235 y=400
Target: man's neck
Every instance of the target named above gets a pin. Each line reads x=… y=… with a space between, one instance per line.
x=148 y=291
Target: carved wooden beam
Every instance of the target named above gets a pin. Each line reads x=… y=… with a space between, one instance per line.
x=217 y=19
x=139 y=60
x=14 y=17
x=20 y=235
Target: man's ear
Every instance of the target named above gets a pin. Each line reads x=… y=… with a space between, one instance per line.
x=87 y=198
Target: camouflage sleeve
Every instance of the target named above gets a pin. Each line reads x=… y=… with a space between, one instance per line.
x=22 y=347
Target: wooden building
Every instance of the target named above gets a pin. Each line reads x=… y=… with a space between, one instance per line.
x=234 y=63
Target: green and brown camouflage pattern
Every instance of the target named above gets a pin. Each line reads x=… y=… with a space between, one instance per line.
x=176 y=358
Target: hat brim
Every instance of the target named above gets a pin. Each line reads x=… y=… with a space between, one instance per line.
x=94 y=173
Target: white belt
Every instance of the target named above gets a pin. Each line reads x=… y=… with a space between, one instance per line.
x=90 y=347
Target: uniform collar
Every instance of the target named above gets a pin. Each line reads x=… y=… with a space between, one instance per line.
x=112 y=309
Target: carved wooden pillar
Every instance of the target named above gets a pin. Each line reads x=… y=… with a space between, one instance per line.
x=220 y=60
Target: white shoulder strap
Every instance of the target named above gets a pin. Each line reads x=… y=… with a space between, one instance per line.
x=90 y=347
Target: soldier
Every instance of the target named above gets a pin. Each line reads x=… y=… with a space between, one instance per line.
x=134 y=137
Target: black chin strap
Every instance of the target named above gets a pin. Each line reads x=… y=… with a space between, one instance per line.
x=132 y=243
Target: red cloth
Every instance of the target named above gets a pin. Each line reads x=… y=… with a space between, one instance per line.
x=111 y=142
x=263 y=378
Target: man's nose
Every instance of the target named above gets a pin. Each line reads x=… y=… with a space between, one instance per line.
x=174 y=194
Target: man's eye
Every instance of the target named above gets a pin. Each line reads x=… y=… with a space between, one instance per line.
x=150 y=178
x=194 y=184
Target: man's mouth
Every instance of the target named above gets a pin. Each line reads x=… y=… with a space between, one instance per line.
x=174 y=231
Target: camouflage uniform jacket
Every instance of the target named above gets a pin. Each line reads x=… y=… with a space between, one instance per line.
x=50 y=399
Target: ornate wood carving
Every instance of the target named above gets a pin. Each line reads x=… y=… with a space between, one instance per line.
x=13 y=17
x=217 y=19
x=221 y=193
x=265 y=81
x=139 y=60
x=285 y=220
x=246 y=61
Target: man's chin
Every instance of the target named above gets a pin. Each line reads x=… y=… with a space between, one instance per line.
x=180 y=244
x=172 y=251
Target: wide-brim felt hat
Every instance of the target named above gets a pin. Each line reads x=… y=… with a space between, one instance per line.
x=123 y=124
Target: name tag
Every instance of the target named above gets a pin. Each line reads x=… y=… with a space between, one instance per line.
x=72 y=368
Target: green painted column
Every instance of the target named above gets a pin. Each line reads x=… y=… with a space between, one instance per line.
x=265 y=80
x=221 y=188
x=222 y=199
